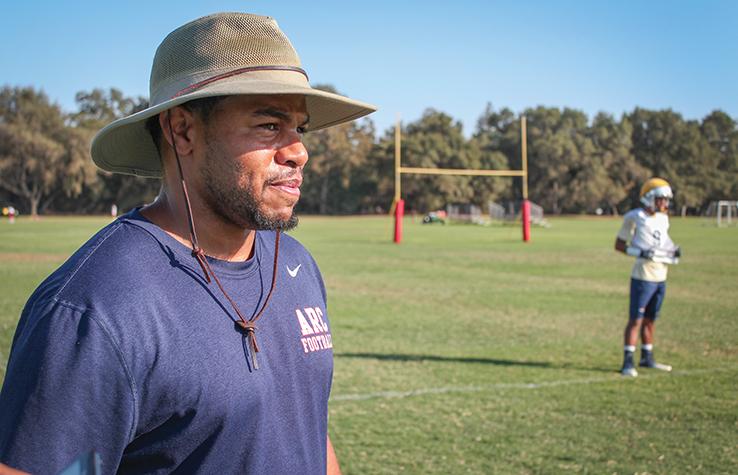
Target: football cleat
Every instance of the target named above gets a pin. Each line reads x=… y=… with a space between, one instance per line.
x=629 y=371
x=654 y=365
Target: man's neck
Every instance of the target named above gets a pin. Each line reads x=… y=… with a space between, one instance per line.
x=651 y=212
x=217 y=238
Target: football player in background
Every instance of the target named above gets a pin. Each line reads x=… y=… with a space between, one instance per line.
x=645 y=236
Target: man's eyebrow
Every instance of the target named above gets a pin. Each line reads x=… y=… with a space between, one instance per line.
x=279 y=114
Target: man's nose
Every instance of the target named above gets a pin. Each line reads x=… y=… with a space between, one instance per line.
x=292 y=155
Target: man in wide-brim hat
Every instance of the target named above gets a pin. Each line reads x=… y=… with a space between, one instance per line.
x=190 y=335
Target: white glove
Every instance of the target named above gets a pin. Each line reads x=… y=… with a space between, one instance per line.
x=656 y=255
x=638 y=252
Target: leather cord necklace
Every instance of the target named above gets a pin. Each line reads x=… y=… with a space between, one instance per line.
x=245 y=325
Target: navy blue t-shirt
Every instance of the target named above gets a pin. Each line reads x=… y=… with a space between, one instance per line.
x=125 y=349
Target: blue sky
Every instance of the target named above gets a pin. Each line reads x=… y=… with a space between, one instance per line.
x=406 y=56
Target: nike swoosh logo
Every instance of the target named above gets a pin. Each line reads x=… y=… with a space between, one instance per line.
x=293 y=272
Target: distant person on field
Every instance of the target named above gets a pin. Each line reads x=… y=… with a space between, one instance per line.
x=645 y=236
x=190 y=335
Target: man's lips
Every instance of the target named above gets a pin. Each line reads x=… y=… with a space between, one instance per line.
x=288 y=185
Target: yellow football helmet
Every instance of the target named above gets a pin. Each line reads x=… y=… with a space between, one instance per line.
x=655 y=188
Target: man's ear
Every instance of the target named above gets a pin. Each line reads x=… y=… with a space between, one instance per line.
x=176 y=127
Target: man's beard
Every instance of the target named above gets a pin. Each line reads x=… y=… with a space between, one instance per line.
x=234 y=204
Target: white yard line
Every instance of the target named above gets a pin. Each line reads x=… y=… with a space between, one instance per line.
x=501 y=386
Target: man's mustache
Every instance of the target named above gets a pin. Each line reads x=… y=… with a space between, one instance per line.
x=289 y=176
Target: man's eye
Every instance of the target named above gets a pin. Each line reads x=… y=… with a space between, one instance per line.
x=271 y=127
x=302 y=129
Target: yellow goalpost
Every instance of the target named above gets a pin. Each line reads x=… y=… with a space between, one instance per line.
x=398 y=204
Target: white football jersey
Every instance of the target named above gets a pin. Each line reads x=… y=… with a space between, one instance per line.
x=646 y=231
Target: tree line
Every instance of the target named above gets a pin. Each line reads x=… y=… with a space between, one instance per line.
x=575 y=164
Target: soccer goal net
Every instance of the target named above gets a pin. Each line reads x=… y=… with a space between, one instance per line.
x=513 y=212
x=536 y=215
x=723 y=212
x=496 y=211
x=465 y=213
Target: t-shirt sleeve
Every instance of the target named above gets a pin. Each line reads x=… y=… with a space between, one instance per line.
x=627 y=229
x=66 y=392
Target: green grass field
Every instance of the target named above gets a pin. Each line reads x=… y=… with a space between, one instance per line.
x=464 y=350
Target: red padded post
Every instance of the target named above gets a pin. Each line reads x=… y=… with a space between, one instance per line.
x=526 y=220
x=399 y=213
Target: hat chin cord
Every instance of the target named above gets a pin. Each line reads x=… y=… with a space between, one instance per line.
x=244 y=325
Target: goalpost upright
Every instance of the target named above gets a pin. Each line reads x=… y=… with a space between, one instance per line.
x=398 y=204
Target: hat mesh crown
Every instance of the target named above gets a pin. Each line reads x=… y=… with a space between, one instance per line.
x=219 y=43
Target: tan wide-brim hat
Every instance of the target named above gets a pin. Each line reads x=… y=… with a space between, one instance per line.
x=217 y=55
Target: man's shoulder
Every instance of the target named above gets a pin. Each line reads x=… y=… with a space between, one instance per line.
x=93 y=278
x=288 y=245
x=117 y=255
x=287 y=242
x=635 y=214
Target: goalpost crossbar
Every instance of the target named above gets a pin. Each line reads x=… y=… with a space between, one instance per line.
x=461 y=171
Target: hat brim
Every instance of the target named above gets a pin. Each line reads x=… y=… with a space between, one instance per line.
x=125 y=146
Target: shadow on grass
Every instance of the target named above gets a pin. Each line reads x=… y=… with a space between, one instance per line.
x=449 y=359
x=462 y=359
